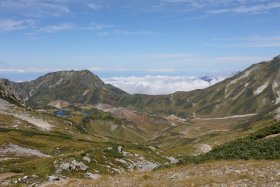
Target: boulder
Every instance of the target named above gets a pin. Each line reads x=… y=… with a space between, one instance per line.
x=53 y=178
x=87 y=159
x=120 y=149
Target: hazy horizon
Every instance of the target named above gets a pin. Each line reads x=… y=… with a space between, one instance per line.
x=136 y=38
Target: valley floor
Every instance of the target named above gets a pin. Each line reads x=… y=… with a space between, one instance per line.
x=220 y=173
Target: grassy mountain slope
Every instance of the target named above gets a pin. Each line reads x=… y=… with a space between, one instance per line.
x=39 y=144
x=248 y=92
x=71 y=86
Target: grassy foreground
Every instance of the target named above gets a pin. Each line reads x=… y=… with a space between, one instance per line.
x=219 y=173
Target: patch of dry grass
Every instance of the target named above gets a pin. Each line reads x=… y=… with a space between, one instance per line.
x=222 y=173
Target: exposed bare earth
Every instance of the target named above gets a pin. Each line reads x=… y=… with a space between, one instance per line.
x=223 y=173
x=59 y=104
x=7 y=109
x=19 y=151
x=4 y=176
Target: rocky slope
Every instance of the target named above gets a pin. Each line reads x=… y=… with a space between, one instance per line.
x=70 y=86
x=7 y=92
x=224 y=173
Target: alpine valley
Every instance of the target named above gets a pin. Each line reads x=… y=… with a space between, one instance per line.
x=69 y=128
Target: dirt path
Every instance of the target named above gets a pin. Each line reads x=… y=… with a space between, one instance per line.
x=228 y=117
x=4 y=176
x=272 y=136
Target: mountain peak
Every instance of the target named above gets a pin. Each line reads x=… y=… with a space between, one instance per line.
x=72 y=72
x=71 y=86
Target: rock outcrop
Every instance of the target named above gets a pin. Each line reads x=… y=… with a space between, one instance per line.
x=8 y=92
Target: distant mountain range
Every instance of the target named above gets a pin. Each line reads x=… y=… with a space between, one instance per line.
x=248 y=92
x=77 y=126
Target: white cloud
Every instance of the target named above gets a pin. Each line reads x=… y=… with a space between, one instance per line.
x=248 y=9
x=71 y=27
x=94 y=6
x=97 y=26
x=107 y=69
x=155 y=85
x=126 y=32
x=12 y=24
x=58 y=28
x=24 y=70
x=225 y=6
x=35 y=8
x=204 y=3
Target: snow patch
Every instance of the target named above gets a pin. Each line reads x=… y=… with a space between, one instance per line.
x=246 y=74
x=86 y=92
x=277 y=101
x=57 y=83
x=277 y=114
x=275 y=85
x=261 y=88
x=234 y=81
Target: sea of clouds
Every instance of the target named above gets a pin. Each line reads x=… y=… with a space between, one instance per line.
x=155 y=85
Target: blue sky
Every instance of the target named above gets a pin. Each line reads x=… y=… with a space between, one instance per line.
x=136 y=37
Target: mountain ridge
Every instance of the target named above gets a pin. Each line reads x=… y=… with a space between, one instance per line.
x=258 y=86
x=71 y=86
x=95 y=138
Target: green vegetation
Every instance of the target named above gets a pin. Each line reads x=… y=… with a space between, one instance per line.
x=92 y=137
x=254 y=146
x=113 y=153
